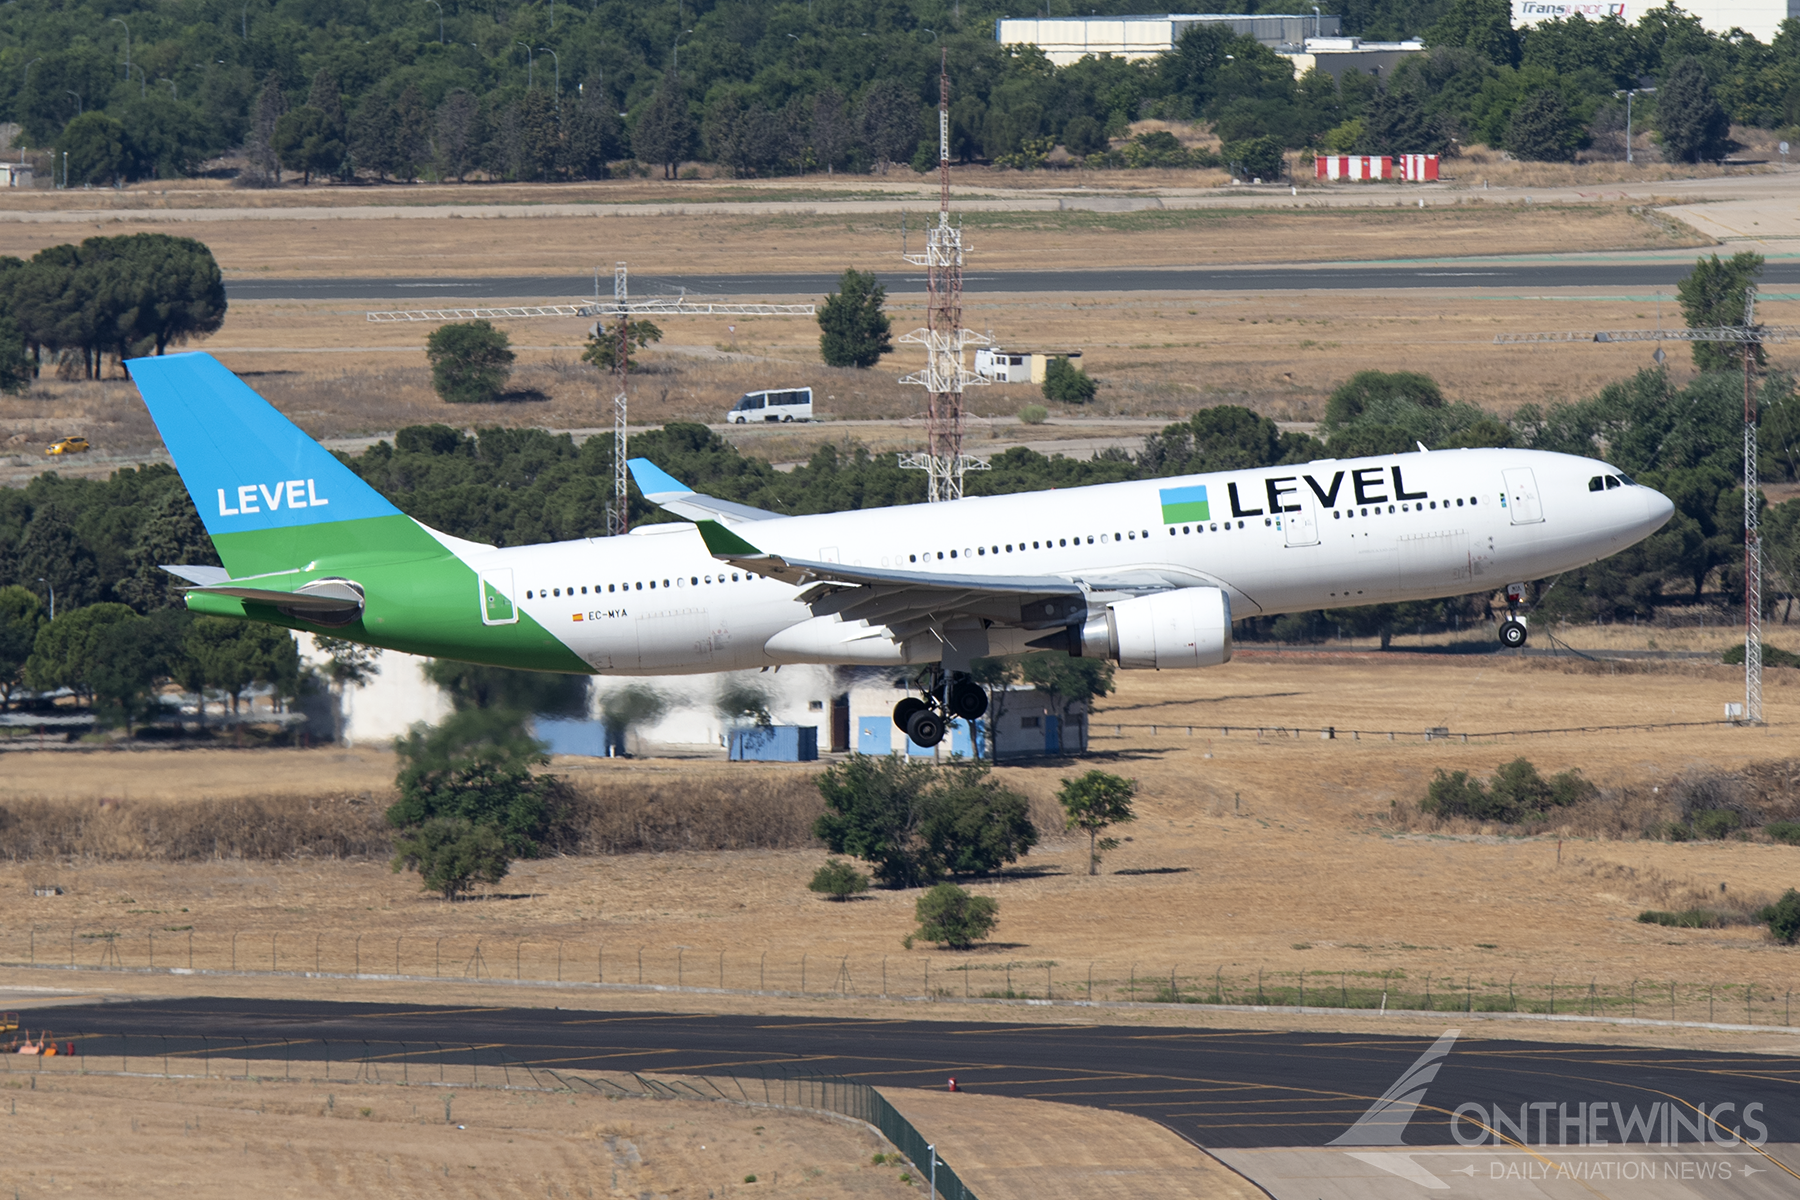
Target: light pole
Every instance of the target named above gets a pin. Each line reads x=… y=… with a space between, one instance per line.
x=675 y=53
x=440 y=8
x=1629 y=94
x=1316 y=20
x=52 y=588
x=527 y=46
x=27 y=82
x=143 y=80
x=121 y=21
x=171 y=83
x=77 y=96
x=556 y=60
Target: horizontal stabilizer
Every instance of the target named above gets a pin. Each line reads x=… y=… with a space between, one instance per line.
x=671 y=495
x=330 y=602
x=205 y=576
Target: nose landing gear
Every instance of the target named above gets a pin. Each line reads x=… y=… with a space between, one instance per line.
x=926 y=720
x=1512 y=630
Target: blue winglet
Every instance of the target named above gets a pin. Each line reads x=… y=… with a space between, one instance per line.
x=246 y=466
x=653 y=481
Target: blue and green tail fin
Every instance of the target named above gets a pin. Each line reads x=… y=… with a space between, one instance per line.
x=272 y=499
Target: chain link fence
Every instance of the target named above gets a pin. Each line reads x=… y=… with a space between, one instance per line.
x=919 y=976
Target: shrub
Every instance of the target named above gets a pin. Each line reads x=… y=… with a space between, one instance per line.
x=1772 y=656
x=916 y=822
x=1083 y=136
x=838 y=880
x=1691 y=918
x=1783 y=917
x=470 y=362
x=1034 y=414
x=476 y=767
x=1784 y=831
x=1257 y=157
x=450 y=853
x=1067 y=382
x=954 y=918
x=1716 y=823
x=1543 y=129
x=1517 y=794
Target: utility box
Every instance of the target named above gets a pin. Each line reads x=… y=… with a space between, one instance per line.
x=775 y=743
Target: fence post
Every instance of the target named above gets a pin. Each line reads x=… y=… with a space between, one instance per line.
x=1634 y=998
x=762 y=972
x=1671 y=999
x=679 y=952
x=234 y=938
x=518 y=958
x=559 y=947
x=1049 y=990
x=640 y=964
x=883 y=977
x=359 y=938
x=396 y=956
x=274 y=953
x=803 y=974
x=1090 y=987
x=600 y=963
x=722 y=970
x=316 y=959
x=153 y=949
x=1131 y=987
x=437 y=959
x=1553 y=995
x=71 y=943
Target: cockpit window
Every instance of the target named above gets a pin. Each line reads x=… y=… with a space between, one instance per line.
x=1596 y=484
x=1612 y=481
x=1628 y=481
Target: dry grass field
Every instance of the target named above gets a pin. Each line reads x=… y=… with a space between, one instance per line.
x=1255 y=851
x=1157 y=357
x=1287 y=230
x=201 y=1139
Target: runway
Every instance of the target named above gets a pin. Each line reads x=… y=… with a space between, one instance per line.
x=1639 y=274
x=1220 y=1088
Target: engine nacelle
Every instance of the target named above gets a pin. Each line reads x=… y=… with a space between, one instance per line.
x=1185 y=628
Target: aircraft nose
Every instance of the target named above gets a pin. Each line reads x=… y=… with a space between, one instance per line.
x=1658 y=508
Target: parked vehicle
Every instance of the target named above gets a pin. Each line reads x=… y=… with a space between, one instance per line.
x=792 y=404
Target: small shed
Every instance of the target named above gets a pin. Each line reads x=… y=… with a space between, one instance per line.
x=16 y=175
x=1019 y=366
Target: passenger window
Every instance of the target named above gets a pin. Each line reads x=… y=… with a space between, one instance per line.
x=1472 y=502
x=695 y=580
x=528 y=593
x=981 y=550
x=1459 y=502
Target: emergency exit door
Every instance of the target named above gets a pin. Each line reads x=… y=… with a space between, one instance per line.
x=1521 y=496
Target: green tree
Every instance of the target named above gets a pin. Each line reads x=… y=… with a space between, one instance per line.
x=972 y=823
x=1094 y=803
x=476 y=766
x=855 y=330
x=997 y=677
x=347 y=664
x=1712 y=295
x=95 y=144
x=1065 y=381
x=875 y=805
x=131 y=658
x=665 y=130
x=68 y=651
x=1352 y=398
x=171 y=534
x=1067 y=681
x=15 y=363
x=470 y=362
x=1484 y=26
x=21 y=616
x=1257 y=157
x=602 y=349
x=1694 y=127
x=233 y=656
x=306 y=141
x=838 y=880
x=536 y=140
x=954 y=918
x=1783 y=917
x=1224 y=438
x=1543 y=129
x=451 y=853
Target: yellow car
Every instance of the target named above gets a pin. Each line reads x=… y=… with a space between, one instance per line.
x=69 y=445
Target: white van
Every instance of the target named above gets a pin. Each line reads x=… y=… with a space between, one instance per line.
x=793 y=404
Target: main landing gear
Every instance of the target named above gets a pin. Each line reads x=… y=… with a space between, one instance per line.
x=925 y=720
x=1512 y=630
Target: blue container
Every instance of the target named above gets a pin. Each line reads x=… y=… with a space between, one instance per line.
x=775 y=743
x=875 y=735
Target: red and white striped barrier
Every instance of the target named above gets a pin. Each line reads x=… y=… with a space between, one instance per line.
x=1355 y=167
x=1418 y=168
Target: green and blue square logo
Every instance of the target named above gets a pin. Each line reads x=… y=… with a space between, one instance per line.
x=1184 y=504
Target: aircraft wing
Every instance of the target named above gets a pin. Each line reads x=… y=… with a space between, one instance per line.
x=669 y=494
x=907 y=602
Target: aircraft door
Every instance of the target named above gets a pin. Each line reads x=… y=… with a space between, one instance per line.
x=1521 y=496
x=496 y=600
x=1302 y=528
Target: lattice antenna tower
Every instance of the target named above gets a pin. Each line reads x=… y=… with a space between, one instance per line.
x=1750 y=337
x=943 y=337
x=618 y=514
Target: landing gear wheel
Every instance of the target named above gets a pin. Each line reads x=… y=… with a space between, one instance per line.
x=967 y=700
x=1512 y=634
x=925 y=727
x=904 y=710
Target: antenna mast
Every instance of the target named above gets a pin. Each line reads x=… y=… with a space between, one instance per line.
x=618 y=515
x=943 y=337
x=1752 y=533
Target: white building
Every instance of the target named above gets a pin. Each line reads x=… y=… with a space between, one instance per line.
x=1065 y=40
x=16 y=175
x=1335 y=55
x=852 y=709
x=1761 y=18
x=1019 y=366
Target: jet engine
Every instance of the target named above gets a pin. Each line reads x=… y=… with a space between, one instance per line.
x=1184 y=628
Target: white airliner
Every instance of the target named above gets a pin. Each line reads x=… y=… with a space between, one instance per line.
x=1147 y=574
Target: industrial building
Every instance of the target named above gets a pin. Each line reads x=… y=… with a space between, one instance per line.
x=1335 y=55
x=1761 y=18
x=1065 y=40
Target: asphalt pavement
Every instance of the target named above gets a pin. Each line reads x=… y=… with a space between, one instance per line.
x=1223 y=1089
x=1633 y=276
